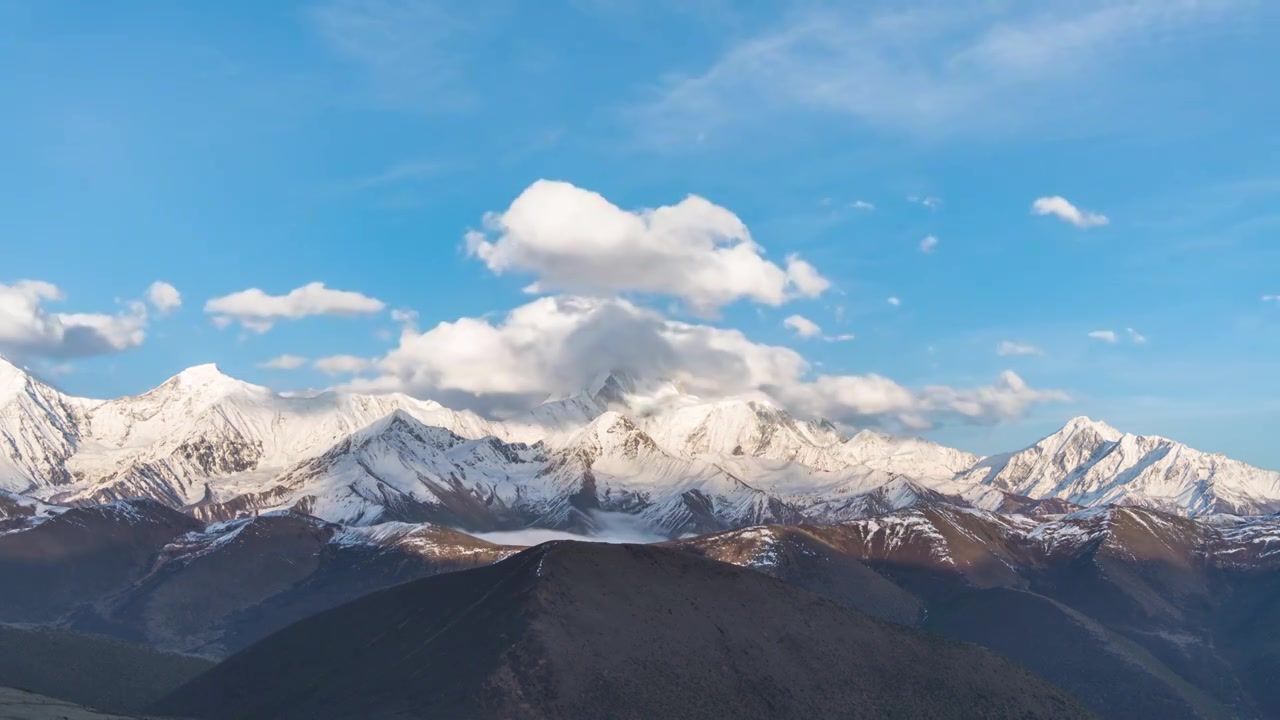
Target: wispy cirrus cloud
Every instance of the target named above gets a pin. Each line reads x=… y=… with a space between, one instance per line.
x=1009 y=347
x=408 y=54
x=930 y=67
x=284 y=362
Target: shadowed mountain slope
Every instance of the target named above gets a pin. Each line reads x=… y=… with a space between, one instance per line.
x=572 y=630
x=90 y=670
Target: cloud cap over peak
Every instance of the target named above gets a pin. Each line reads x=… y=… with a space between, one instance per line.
x=548 y=346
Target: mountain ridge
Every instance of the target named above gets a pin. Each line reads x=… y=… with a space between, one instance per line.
x=219 y=447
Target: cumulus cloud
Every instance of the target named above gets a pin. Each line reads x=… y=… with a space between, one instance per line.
x=803 y=326
x=341 y=364
x=258 y=311
x=284 y=362
x=1108 y=336
x=929 y=244
x=1060 y=208
x=548 y=346
x=575 y=240
x=28 y=329
x=895 y=301
x=1008 y=347
x=806 y=328
x=164 y=297
x=405 y=317
x=862 y=205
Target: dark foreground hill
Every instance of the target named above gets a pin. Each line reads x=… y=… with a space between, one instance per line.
x=22 y=705
x=576 y=631
x=141 y=572
x=90 y=670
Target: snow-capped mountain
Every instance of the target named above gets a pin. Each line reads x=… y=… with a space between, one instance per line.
x=220 y=448
x=907 y=456
x=396 y=468
x=39 y=431
x=1091 y=463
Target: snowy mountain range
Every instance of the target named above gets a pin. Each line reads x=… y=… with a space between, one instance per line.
x=219 y=448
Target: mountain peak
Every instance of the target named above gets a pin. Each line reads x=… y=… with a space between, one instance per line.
x=401 y=421
x=1084 y=423
x=10 y=375
x=208 y=376
x=201 y=374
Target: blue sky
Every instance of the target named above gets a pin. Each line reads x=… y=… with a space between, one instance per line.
x=221 y=147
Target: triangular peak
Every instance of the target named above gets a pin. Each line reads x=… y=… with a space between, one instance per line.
x=1084 y=423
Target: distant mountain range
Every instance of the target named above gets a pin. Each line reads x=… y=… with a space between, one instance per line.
x=1135 y=612
x=218 y=448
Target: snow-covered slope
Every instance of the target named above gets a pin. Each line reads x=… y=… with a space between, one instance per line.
x=736 y=427
x=39 y=429
x=396 y=468
x=222 y=448
x=1091 y=463
x=908 y=456
x=167 y=444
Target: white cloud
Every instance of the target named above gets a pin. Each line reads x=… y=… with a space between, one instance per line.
x=1108 y=336
x=164 y=297
x=1065 y=211
x=258 y=311
x=28 y=329
x=1008 y=347
x=405 y=317
x=806 y=328
x=862 y=205
x=929 y=244
x=1136 y=336
x=284 y=362
x=342 y=364
x=933 y=67
x=895 y=301
x=928 y=201
x=549 y=345
x=803 y=326
x=575 y=240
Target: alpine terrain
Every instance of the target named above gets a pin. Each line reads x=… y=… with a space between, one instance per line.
x=217 y=448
